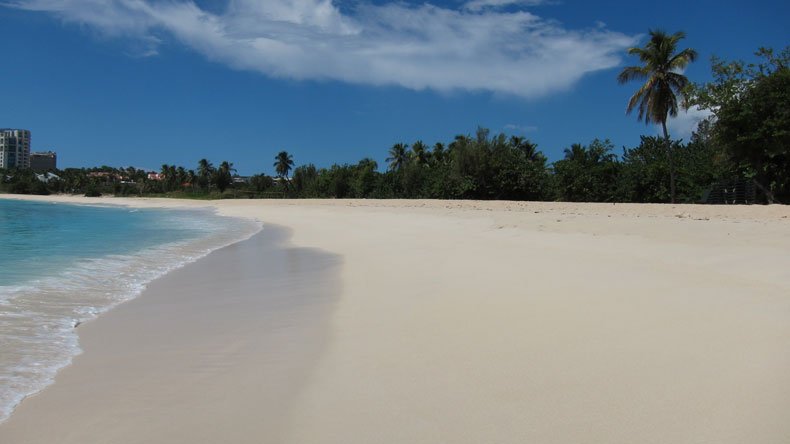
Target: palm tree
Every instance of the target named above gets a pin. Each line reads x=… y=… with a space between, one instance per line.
x=657 y=99
x=182 y=176
x=222 y=177
x=528 y=148
x=367 y=164
x=438 y=154
x=191 y=178
x=227 y=167
x=167 y=176
x=205 y=171
x=172 y=177
x=577 y=152
x=283 y=164
x=398 y=156
x=516 y=141
x=420 y=153
x=205 y=168
x=460 y=141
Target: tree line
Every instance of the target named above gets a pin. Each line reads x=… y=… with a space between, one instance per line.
x=487 y=167
x=479 y=166
x=746 y=141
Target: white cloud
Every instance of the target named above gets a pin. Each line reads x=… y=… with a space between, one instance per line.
x=686 y=122
x=477 y=5
x=520 y=128
x=415 y=47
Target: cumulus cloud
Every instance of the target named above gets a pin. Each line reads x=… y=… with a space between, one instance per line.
x=686 y=122
x=417 y=47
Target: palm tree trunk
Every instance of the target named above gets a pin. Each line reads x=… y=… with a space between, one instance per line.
x=671 y=161
x=760 y=179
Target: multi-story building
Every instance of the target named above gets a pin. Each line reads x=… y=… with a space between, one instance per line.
x=14 y=148
x=44 y=161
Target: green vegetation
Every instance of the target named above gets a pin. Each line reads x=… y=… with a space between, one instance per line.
x=751 y=106
x=470 y=167
x=283 y=165
x=747 y=141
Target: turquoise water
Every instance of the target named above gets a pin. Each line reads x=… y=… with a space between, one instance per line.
x=40 y=239
x=61 y=265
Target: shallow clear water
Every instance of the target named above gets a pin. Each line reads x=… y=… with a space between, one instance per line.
x=61 y=265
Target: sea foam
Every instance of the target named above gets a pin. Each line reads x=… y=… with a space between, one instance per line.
x=38 y=317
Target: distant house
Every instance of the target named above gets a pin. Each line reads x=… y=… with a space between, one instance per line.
x=241 y=179
x=155 y=176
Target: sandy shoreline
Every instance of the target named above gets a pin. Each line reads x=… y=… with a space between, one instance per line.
x=202 y=345
x=472 y=322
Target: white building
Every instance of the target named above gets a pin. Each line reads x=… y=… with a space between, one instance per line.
x=14 y=148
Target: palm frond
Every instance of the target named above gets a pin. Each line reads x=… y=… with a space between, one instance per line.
x=630 y=73
x=640 y=97
x=678 y=82
x=682 y=59
x=672 y=103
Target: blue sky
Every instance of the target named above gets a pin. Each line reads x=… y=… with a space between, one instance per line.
x=145 y=82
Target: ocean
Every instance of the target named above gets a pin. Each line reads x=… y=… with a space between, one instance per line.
x=61 y=265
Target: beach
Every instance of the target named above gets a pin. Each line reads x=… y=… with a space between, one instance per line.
x=444 y=321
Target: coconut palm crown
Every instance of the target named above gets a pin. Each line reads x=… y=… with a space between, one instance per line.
x=660 y=69
x=399 y=156
x=205 y=168
x=420 y=153
x=284 y=163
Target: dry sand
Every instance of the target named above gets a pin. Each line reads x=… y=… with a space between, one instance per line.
x=471 y=322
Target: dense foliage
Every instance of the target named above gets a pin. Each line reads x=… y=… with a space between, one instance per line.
x=751 y=106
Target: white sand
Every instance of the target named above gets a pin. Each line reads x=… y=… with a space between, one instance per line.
x=476 y=322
